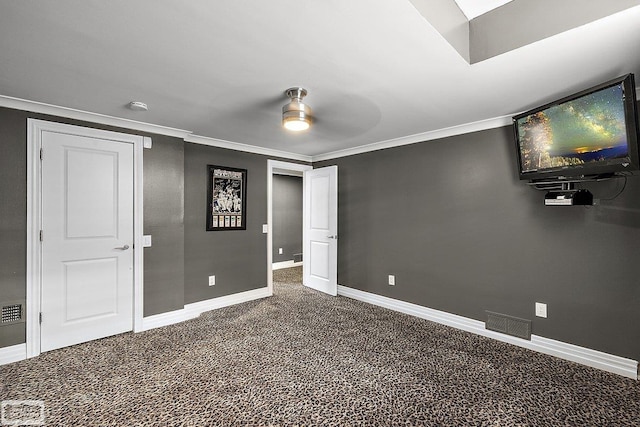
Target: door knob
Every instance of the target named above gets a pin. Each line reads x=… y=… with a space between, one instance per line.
x=123 y=248
x=335 y=236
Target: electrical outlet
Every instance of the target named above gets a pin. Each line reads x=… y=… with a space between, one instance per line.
x=392 y=280
x=541 y=309
x=280 y=251
x=212 y=280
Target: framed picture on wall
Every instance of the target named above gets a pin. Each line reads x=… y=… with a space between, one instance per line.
x=226 y=198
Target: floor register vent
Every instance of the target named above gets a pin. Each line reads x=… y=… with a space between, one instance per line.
x=509 y=325
x=12 y=312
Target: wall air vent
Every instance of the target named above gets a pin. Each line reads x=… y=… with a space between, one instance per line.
x=509 y=325
x=12 y=312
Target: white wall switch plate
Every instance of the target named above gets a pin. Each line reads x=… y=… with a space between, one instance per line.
x=212 y=280
x=280 y=251
x=265 y=228
x=392 y=280
x=146 y=241
x=541 y=309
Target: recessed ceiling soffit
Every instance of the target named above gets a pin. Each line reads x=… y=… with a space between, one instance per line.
x=526 y=22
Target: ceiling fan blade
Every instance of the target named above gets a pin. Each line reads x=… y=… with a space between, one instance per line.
x=347 y=116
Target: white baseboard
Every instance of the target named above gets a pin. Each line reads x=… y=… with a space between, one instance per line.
x=13 y=353
x=164 y=319
x=19 y=352
x=191 y=311
x=585 y=356
x=197 y=308
x=285 y=264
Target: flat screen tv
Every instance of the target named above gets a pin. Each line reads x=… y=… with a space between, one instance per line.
x=587 y=134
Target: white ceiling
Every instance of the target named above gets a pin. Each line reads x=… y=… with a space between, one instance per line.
x=376 y=70
x=475 y=8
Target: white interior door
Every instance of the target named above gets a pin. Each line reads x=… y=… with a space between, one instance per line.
x=321 y=229
x=87 y=239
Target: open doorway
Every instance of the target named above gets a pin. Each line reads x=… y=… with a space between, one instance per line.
x=287 y=221
x=285 y=192
x=287 y=230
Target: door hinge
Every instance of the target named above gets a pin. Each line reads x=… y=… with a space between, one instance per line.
x=41 y=154
x=41 y=235
x=40 y=318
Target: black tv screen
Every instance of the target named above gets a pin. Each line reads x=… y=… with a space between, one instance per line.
x=590 y=133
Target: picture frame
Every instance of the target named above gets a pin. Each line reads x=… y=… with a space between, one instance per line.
x=226 y=198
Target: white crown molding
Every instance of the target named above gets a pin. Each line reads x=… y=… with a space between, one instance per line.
x=585 y=356
x=71 y=113
x=419 y=137
x=13 y=353
x=188 y=136
x=237 y=146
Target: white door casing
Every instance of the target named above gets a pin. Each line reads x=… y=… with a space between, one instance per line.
x=320 y=234
x=85 y=277
x=278 y=167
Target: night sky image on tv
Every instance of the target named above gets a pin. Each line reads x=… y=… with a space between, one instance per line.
x=588 y=129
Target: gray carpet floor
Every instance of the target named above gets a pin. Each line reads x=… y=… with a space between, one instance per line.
x=301 y=358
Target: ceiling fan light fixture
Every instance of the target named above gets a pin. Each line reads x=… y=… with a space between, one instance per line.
x=296 y=115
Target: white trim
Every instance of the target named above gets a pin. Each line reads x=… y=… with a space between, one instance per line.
x=285 y=264
x=164 y=319
x=596 y=359
x=282 y=172
x=13 y=353
x=138 y=237
x=72 y=113
x=195 y=309
x=188 y=136
x=277 y=167
x=35 y=128
x=586 y=356
x=190 y=311
x=33 y=245
x=420 y=137
x=237 y=146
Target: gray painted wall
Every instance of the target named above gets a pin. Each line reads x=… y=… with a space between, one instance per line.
x=174 y=214
x=450 y=219
x=164 y=221
x=238 y=258
x=287 y=216
x=13 y=217
x=163 y=217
